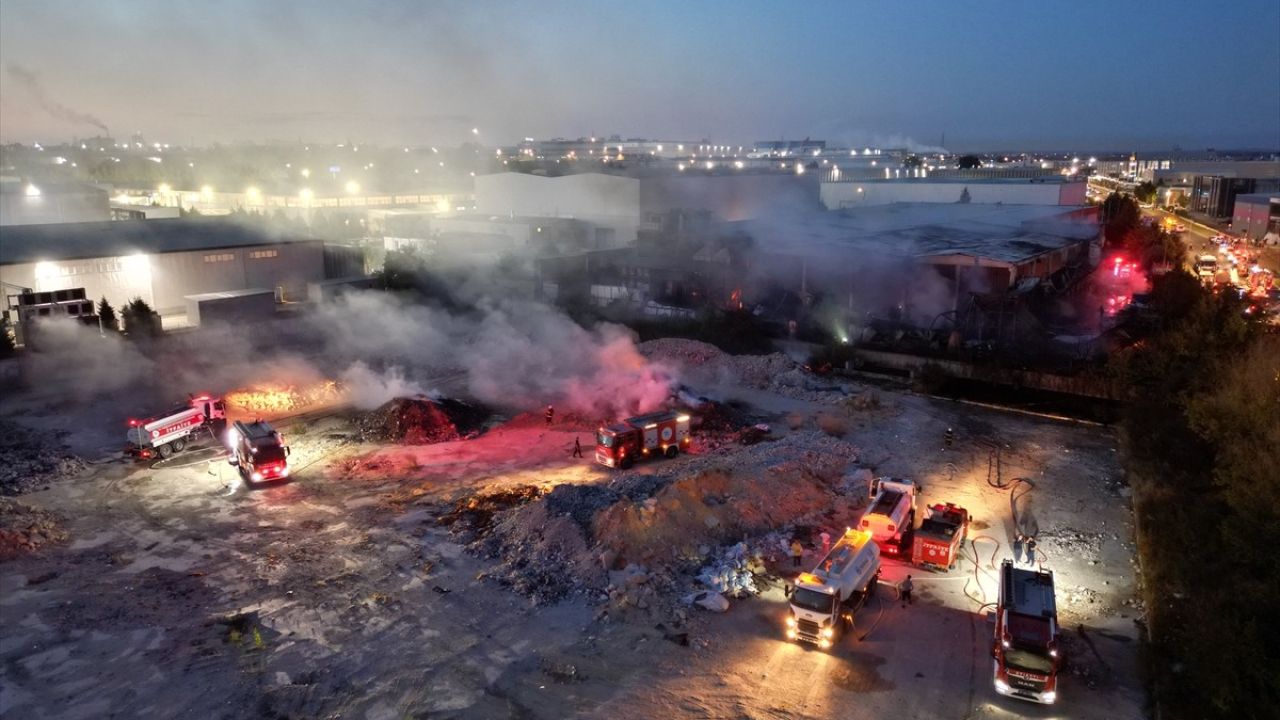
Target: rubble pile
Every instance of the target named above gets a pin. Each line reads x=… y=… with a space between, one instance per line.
x=30 y=459
x=472 y=516
x=704 y=363
x=421 y=421
x=574 y=538
x=25 y=528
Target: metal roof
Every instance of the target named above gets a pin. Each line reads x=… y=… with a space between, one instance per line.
x=114 y=238
x=1003 y=233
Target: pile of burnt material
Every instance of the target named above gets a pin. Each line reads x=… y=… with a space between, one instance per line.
x=422 y=421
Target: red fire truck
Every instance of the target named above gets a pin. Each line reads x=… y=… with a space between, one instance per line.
x=643 y=436
x=939 y=538
x=173 y=431
x=1025 y=654
x=258 y=450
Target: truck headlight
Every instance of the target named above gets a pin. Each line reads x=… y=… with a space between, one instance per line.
x=791 y=633
x=257 y=476
x=1049 y=697
x=791 y=621
x=1002 y=687
x=828 y=632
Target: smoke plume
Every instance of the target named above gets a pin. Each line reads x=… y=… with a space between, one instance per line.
x=29 y=80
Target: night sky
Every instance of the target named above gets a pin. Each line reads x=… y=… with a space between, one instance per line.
x=1038 y=75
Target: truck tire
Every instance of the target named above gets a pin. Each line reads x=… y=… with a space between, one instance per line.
x=165 y=451
x=625 y=462
x=179 y=445
x=672 y=451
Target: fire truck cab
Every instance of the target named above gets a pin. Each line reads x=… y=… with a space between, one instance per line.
x=643 y=436
x=173 y=431
x=939 y=538
x=1025 y=653
x=258 y=450
x=823 y=602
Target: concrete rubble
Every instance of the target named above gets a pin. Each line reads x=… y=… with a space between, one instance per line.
x=30 y=459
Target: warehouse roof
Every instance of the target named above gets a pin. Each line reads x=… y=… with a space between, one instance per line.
x=78 y=241
x=1003 y=233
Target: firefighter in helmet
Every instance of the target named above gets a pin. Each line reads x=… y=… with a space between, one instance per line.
x=550 y=414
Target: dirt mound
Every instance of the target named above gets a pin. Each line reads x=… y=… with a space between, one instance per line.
x=30 y=459
x=473 y=516
x=568 y=540
x=703 y=363
x=24 y=528
x=422 y=421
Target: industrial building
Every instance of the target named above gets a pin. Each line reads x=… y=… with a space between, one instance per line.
x=160 y=261
x=1215 y=195
x=847 y=193
x=29 y=202
x=1257 y=216
x=989 y=249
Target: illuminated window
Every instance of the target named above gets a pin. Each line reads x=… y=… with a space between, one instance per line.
x=220 y=257
x=256 y=254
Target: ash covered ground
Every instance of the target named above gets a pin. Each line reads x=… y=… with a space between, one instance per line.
x=433 y=561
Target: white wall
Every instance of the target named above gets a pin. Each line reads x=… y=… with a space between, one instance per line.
x=840 y=195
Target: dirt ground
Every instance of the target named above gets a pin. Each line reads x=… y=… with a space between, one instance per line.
x=177 y=591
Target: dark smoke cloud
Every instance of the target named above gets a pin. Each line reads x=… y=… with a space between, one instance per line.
x=31 y=82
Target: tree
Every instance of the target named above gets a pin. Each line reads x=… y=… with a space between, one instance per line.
x=969 y=162
x=1145 y=193
x=140 y=321
x=107 y=316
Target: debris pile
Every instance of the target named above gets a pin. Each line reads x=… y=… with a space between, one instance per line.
x=706 y=363
x=472 y=516
x=280 y=399
x=574 y=538
x=731 y=573
x=30 y=459
x=421 y=421
x=24 y=528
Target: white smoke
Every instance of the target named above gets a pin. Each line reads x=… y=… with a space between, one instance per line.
x=366 y=389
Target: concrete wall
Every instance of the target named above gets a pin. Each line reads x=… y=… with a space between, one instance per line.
x=837 y=195
x=609 y=205
x=164 y=280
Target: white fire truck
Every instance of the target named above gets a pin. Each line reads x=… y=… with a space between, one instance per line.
x=823 y=602
x=173 y=431
x=892 y=514
x=258 y=450
x=643 y=436
x=1025 y=653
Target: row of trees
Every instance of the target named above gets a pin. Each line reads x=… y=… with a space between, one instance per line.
x=1202 y=442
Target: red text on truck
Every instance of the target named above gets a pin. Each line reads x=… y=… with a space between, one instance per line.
x=1026 y=650
x=643 y=436
x=258 y=450
x=173 y=431
x=938 y=540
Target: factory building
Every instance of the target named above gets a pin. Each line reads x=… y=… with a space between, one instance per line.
x=160 y=261
x=1215 y=195
x=1257 y=216
x=985 y=249
x=608 y=205
x=844 y=193
x=26 y=202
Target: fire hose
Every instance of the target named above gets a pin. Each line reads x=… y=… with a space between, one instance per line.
x=1018 y=488
x=977 y=568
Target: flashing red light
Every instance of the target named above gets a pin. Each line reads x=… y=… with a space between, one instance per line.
x=133 y=423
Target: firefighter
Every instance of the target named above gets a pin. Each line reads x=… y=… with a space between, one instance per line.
x=904 y=589
x=797 y=553
x=826 y=542
x=550 y=414
x=949 y=438
x=577 y=448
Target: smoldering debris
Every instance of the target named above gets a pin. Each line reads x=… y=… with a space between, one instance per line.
x=25 y=528
x=30 y=460
x=473 y=516
x=422 y=421
x=576 y=539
